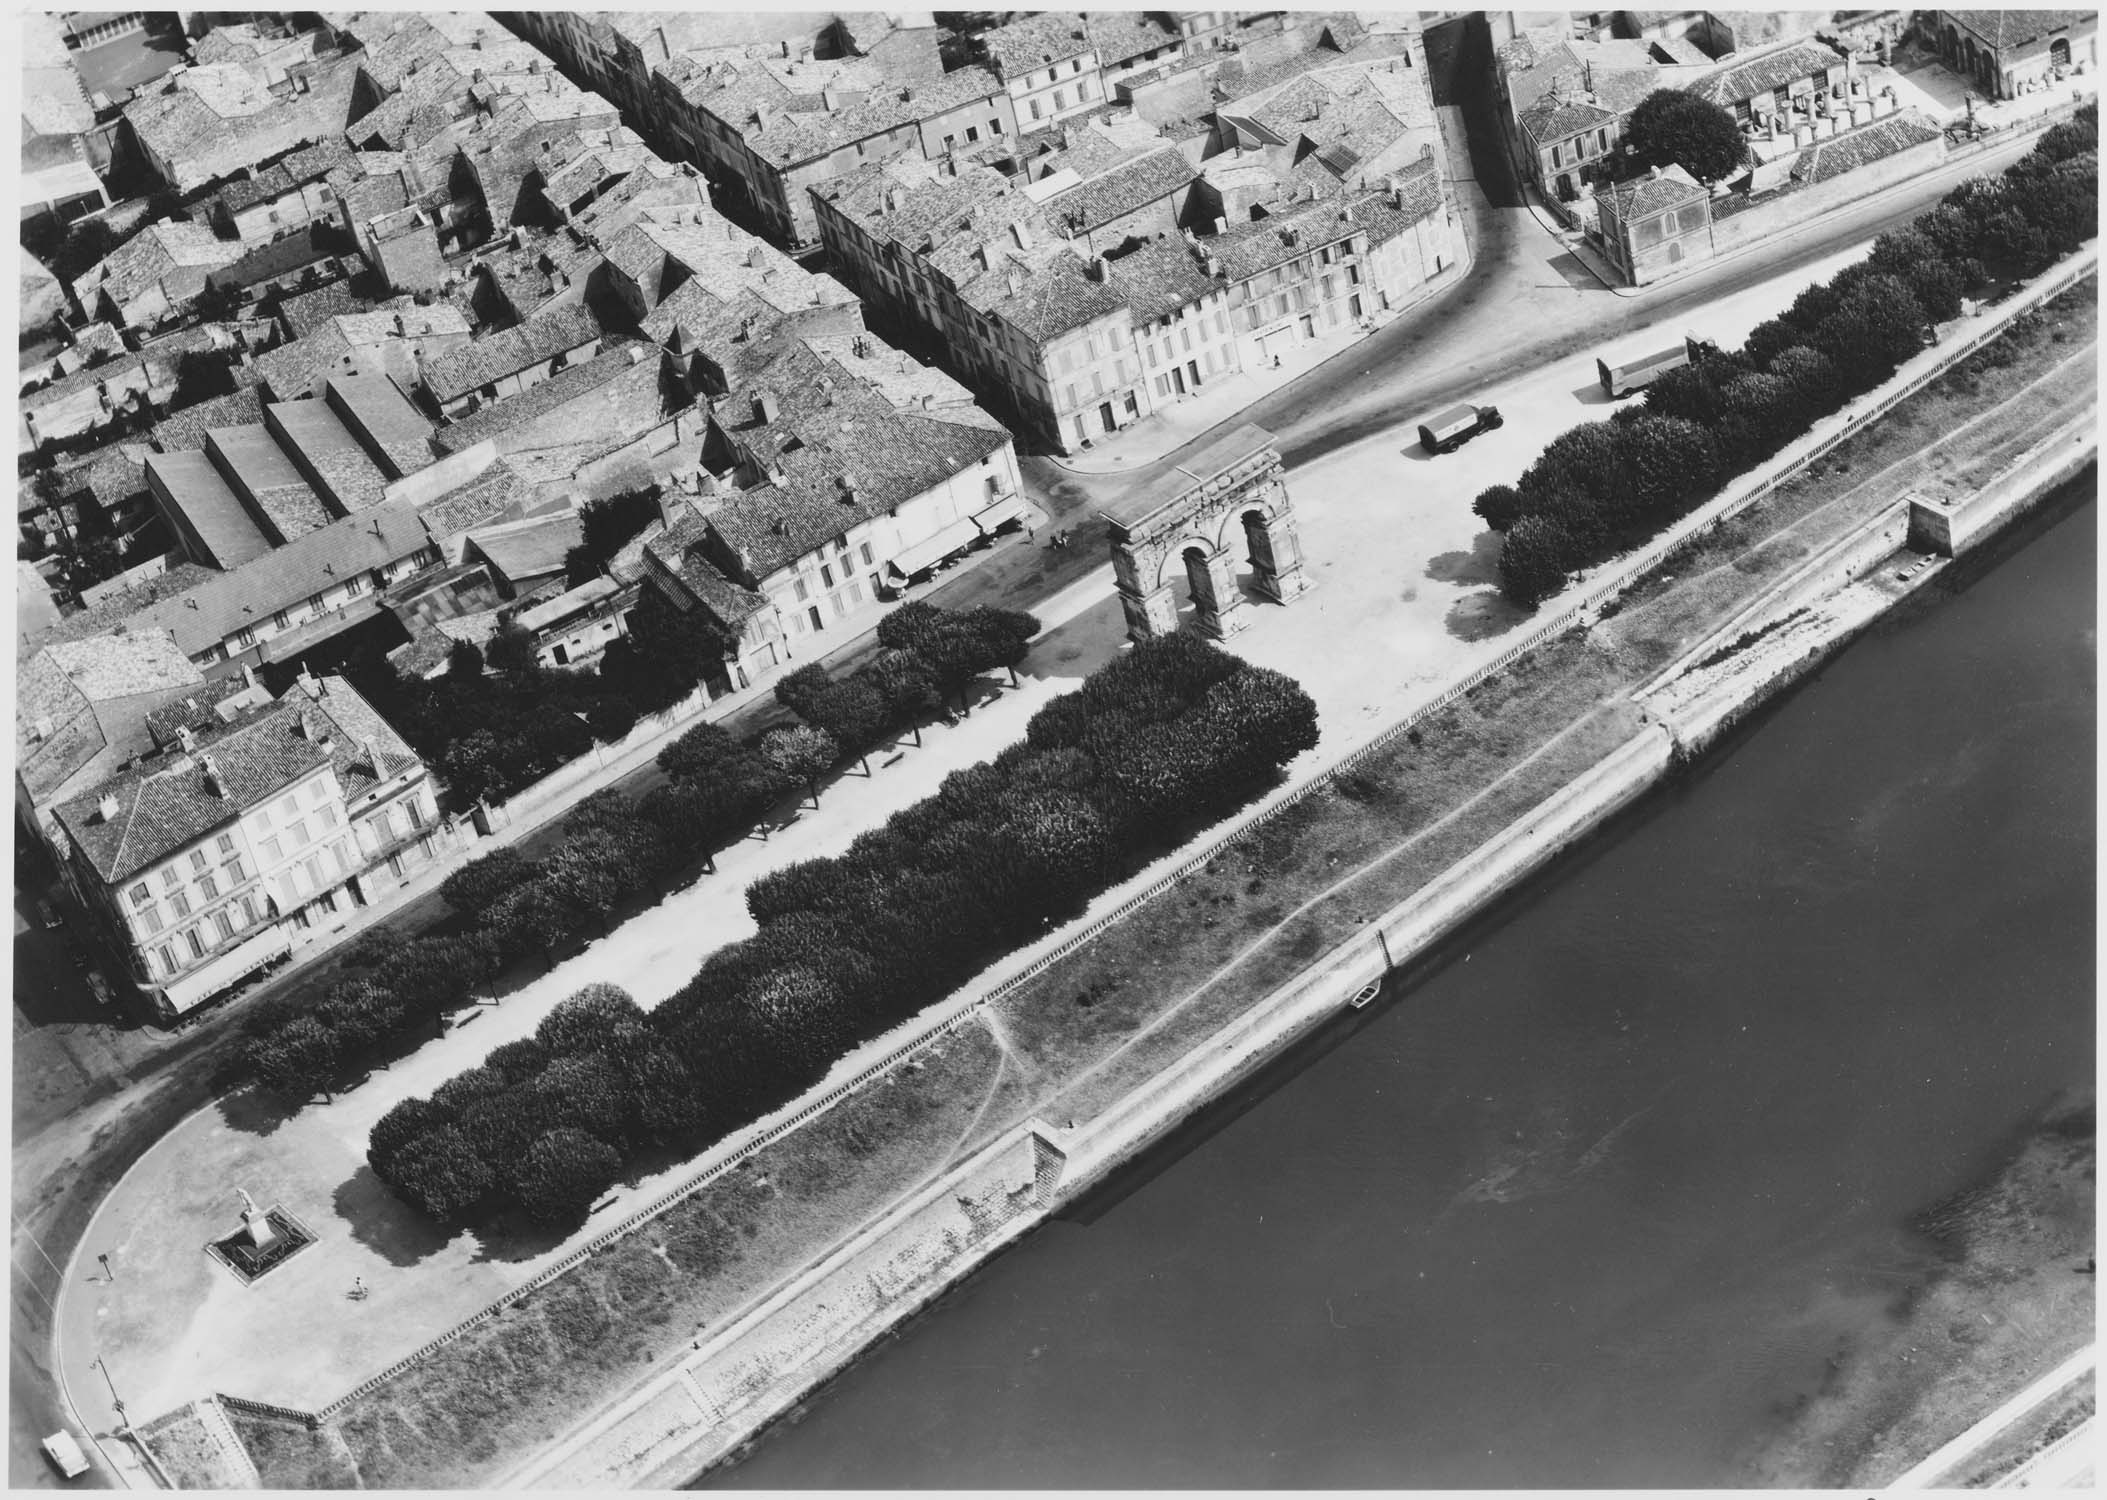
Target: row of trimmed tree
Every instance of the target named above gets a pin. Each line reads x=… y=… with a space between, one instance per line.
x=1602 y=488
x=615 y=847
x=1174 y=734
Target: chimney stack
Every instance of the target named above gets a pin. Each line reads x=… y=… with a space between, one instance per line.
x=213 y=784
x=765 y=407
x=108 y=809
x=185 y=740
x=1097 y=268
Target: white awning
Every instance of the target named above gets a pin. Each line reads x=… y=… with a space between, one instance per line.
x=1009 y=508
x=242 y=959
x=956 y=537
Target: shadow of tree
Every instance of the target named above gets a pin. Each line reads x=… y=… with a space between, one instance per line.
x=513 y=1237
x=257 y=1111
x=384 y=1223
x=1575 y=272
x=1083 y=643
x=1479 y=565
x=1483 y=615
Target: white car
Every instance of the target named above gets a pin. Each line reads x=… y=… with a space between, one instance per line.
x=65 y=1454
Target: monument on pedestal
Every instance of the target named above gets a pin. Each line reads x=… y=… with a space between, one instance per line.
x=253 y=1221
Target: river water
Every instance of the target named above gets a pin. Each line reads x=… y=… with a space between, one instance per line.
x=1595 y=1206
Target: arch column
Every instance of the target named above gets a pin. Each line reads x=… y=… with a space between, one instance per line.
x=1218 y=611
x=1276 y=570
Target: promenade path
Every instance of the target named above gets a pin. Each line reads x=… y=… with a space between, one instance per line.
x=1404 y=603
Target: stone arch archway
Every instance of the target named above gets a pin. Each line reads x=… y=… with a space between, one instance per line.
x=1191 y=533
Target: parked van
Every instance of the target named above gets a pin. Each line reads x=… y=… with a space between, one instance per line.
x=1451 y=429
x=1637 y=374
x=65 y=1454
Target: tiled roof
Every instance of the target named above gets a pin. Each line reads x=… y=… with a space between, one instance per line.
x=210 y=508
x=63 y=684
x=304 y=312
x=459 y=371
x=1040 y=286
x=168 y=804
x=786 y=124
x=291 y=172
x=1642 y=197
x=1161 y=277
x=386 y=420
x=1122 y=190
x=2006 y=29
x=843 y=455
x=497 y=493
x=151 y=254
x=1120 y=34
x=307 y=244
x=1868 y=143
x=116 y=610
x=1555 y=116
x=186 y=429
x=258 y=465
x=1766 y=71
x=206 y=614
x=679 y=550
x=560 y=388
x=325 y=448
x=1036 y=40
x=530 y=548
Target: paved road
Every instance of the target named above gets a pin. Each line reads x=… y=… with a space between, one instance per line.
x=1933 y=1472
x=1527 y=303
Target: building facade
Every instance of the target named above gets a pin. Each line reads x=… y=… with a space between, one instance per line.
x=243 y=841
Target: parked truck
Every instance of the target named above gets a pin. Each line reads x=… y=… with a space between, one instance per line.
x=1636 y=374
x=1446 y=431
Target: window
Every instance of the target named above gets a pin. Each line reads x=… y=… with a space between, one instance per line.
x=170 y=879
x=841 y=546
x=316 y=791
x=224 y=924
x=395 y=866
x=280 y=620
x=236 y=871
x=972 y=133
x=244 y=638
x=272 y=853
x=179 y=903
x=297 y=832
x=208 y=888
x=143 y=898
x=803 y=593
x=994 y=127
x=287 y=807
x=826 y=575
x=150 y=919
x=248 y=909
x=226 y=844
x=197 y=944
x=1557 y=159
x=1075 y=65
x=416 y=812
x=329 y=816
x=314 y=869
x=1060 y=99
x=167 y=954
x=1035 y=109
x=950 y=142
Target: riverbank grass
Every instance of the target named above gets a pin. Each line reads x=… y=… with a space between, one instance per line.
x=525 y=1377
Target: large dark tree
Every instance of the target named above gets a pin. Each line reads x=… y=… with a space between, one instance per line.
x=563 y=1174
x=1535 y=560
x=1499 y=506
x=441 y=1176
x=1670 y=126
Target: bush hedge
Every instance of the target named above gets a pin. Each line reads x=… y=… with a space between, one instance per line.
x=1175 y=732
x=1604 y=487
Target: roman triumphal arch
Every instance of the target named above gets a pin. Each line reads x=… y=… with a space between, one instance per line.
x=1228 y=496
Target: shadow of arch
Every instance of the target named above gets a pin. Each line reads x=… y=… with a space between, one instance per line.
x=1479 y=565
x=383 y=1223
x=1483 y=615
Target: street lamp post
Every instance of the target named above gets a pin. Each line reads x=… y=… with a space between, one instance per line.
x=116 y=1400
